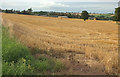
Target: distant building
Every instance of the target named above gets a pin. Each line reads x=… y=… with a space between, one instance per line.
x=40 y=15
x=92 y=18
x=119 y=4
x=43 y=15
x=62 y=16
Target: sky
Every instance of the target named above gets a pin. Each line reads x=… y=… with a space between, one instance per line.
x=41 y=4
x=60 y=0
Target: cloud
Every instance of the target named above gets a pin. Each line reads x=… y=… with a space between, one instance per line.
x=14 y=4
x=108 y=0
x=48 y=4
x=36 y=5
x=73 y=0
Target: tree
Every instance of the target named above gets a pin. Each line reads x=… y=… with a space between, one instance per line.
x=0 y=10
x=69 y=15
x=6 y=11
x=117 y=14
x=84 y=15
x=30 y=11
x=24 y=12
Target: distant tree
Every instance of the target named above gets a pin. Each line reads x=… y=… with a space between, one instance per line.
x=91 y=16
x=0 y=10
x=6 y=11
x=84 y=15
x=30 y=11
x=14 y=11
x=11 y=11
x=18 y=12
x=24 y=12
x=117 y=14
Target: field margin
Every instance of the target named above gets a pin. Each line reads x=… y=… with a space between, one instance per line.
x=0 y=44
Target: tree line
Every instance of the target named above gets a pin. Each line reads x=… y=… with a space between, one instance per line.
x=84 y=15
x=117 y=14
x=27 y=12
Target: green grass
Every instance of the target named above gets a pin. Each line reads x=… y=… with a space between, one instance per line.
x=118 y=22
x=106 y=15
x=0 y=50
x=18 y=60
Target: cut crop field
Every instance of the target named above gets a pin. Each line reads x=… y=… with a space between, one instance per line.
x=88 y=47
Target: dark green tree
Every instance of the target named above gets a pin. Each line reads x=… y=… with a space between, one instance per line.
x=30 y=11
x=0 y=10
x=6 y=11
x=69 y=15
x=117 y=14
x=84 y=15
x=24 y=12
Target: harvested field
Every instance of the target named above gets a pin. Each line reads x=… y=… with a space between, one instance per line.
x=94 y=42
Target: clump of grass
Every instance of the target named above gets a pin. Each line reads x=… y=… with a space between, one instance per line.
x=58 y=66
x=118 y=23
x=17 y=59
x=48 y=64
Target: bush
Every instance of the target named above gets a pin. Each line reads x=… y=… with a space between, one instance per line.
x=46 y=64
x=17 y=59
x=15 y=56
x=12 y=50
x=19 y=68
x=58 y=66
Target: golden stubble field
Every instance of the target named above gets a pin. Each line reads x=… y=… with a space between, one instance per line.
x=96 y=40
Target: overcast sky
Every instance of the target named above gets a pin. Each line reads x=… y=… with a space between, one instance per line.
x=61 y=0
x=25 y=4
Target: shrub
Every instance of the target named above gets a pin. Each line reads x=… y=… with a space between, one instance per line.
x=46 y=64
x=58 y=66
x=12 y=50
x=19 y=68
x=17 y=59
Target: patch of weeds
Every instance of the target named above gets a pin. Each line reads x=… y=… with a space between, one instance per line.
x=17 y=59
x=58 y=66
x=11 y=49
x=118 y=22
x=44 y=64
x=19 y=68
